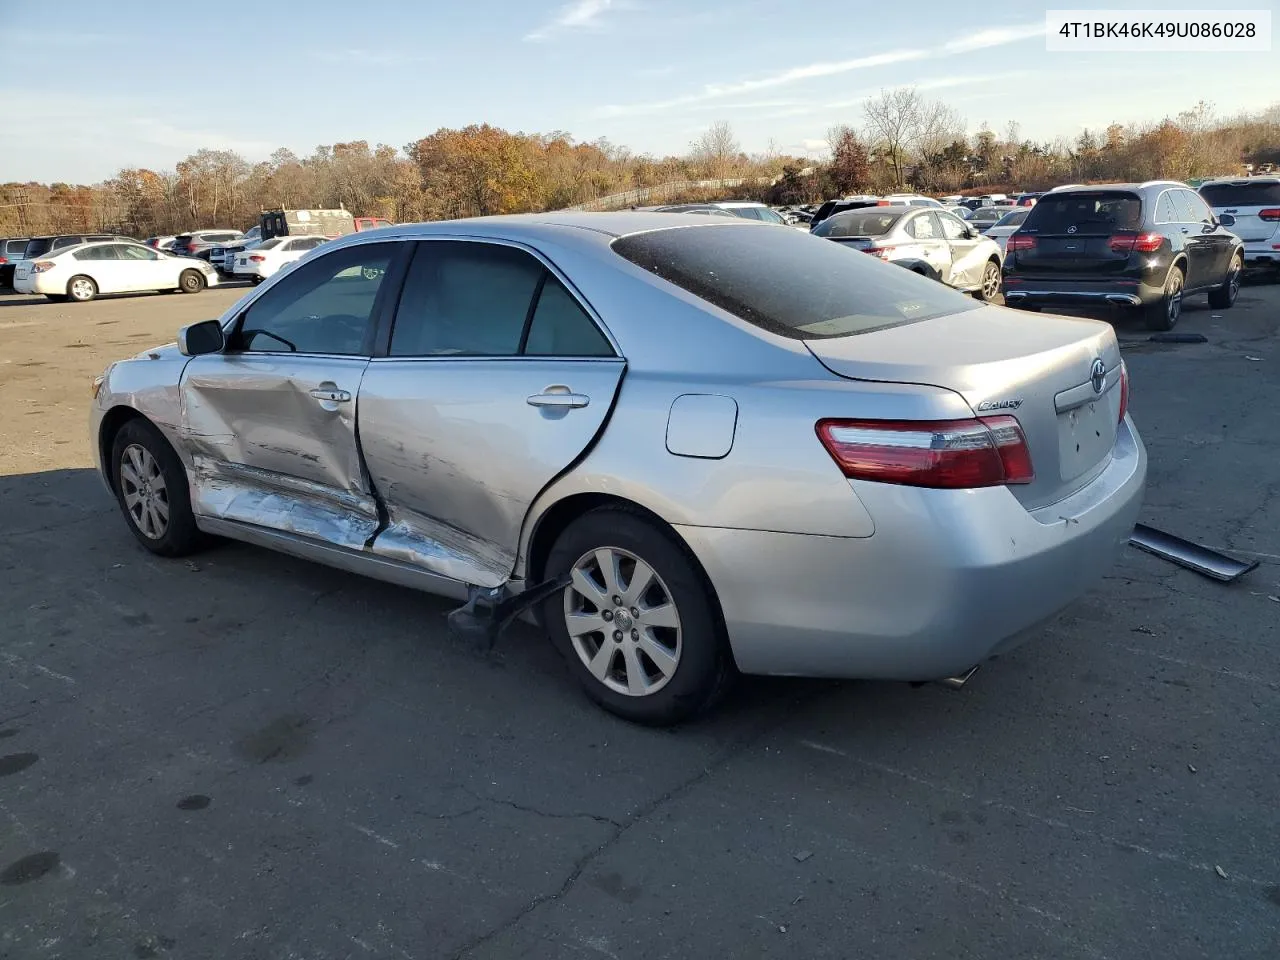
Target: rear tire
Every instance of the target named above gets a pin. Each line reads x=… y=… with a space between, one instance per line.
x=687 y=665
x=151 y=489
x=1224 y=297
x=191 y=281
x=81 y=289
x=1164 y=313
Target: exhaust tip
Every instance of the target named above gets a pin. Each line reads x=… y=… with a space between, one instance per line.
x=955 y=683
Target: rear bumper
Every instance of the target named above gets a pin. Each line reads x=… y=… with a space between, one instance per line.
x=1119 y=292
x=950 y=577
x=1257 y=253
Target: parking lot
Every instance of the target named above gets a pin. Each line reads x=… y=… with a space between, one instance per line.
x=244 y=755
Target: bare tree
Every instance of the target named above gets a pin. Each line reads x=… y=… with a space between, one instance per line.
x=905 y=125
x=716 y=150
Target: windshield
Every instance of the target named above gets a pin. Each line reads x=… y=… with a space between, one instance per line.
x=1242 y=194
x=1103 y=210
x=1013 y=219
x=857 y=223
x=790 y=283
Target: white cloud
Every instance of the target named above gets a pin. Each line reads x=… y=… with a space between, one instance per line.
x=579 y=15
x=163 y=134
x=979 y=39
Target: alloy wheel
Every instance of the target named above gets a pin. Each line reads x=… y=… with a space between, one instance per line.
x=81 y=289
x=146 y=498
x=1174 y=300
x=990 y=282
x=623 y=622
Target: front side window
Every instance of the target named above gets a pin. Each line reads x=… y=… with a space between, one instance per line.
x=1200 y=212
x=325 y=306
x=952 y=228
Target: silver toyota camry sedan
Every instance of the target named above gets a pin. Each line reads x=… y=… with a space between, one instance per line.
x=683 y=448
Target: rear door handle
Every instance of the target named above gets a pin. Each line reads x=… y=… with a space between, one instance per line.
x=332 y=394
x=560 y=398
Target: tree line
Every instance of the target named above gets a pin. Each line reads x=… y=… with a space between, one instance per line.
x=904 y=141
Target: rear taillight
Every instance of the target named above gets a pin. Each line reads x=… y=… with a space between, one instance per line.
x=256 y=258
x=40 y=266
x=946 y=454
x=1020 y=241
x=1136 y=242
x=4 y=259
x=881 y=252
x=1124 y=390
x=1270 y=214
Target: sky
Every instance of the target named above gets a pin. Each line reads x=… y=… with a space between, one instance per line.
x=136 y=83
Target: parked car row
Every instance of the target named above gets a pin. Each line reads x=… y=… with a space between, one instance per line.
x=82 y=271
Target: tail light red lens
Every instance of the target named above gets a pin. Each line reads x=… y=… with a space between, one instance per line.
x=1020 y=241
x=1270 y=214
x=4 y=259
x=40 y=266
x=1136 y=242
x=1124 y=390
x=881 y=252
x=942 y=454
x=257 y=258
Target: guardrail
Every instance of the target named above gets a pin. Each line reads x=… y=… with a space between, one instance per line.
x=647 y=196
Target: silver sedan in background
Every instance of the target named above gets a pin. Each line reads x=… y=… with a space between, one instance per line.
x=686 y=447
x=933 y=243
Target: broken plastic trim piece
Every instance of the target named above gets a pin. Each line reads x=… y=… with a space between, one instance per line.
x=485 y=615
x=955 y=683
x=1209 y=563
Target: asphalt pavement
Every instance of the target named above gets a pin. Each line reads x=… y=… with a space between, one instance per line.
x=244 y=755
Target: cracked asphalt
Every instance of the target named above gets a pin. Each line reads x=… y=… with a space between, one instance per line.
x=250 y=756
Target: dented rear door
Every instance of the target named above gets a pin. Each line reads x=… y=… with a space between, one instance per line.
x=270 y=424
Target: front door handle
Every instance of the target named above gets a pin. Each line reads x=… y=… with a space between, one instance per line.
x=332 y=394
x=560 y=398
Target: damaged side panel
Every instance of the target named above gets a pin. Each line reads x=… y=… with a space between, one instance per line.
x=272 y=442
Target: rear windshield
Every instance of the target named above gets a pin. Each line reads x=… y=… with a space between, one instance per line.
x=1103 y=209
x=1241 y=194
x=856 y=223
x=219 y=237
x=1014 y=218
x=790 y=283
x=37 y=247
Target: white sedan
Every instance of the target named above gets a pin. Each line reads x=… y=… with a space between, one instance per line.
x=267 y=258
x=82 y=272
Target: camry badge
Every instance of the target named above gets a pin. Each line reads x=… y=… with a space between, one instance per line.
x=1012 y=403
x=1098 y=375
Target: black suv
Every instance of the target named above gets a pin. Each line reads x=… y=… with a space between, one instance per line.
x=1144 y=245
x=39 y=246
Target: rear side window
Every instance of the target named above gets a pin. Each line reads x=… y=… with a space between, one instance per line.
x=788 y=283
x=1243 y=194
x=1166 y=212
x=561 y=328
x=465 y=299
x=857 y=224
x=14 y=248
x=923 y=228
x=1104 y=209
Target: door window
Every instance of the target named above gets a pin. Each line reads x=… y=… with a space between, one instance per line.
x=325 y=306
x=1200 y=212
x=103 y=251
x=1166 y=212
x=952 y=228
x=67 y=242
x=561 y=328
x=1181 y=202
x=923 y=228
x=465 y=299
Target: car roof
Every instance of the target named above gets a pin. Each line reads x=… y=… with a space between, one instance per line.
x=898 y=208
x=605 y=225
x=1240 y=181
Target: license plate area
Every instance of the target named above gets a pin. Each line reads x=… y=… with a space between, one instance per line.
x=1086 y=435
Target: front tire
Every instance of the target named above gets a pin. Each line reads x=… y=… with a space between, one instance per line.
x=151 y=489
x=191 y=281
x=81 y=289
x=1164 y=313
x=990 y=288
x=1224 y=297
x=639 y=627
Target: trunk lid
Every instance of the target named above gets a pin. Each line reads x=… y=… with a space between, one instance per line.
x=1037 y=369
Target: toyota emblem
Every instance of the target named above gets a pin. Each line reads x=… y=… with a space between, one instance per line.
x=1098 y=375
x=1071 y=229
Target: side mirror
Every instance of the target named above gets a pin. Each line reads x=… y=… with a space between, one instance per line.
x=201 y=338
x=1226 y=220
